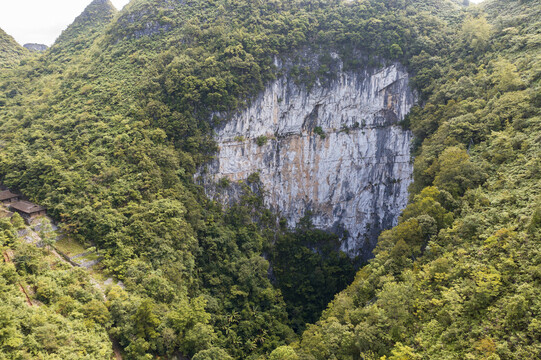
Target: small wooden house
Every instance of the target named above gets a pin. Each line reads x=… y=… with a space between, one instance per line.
x=7 y=197
x=28 y=210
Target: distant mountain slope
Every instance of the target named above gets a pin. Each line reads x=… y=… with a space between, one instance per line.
x=95 y=16
x=10 y=51
x=35 y=47
x=84 y=29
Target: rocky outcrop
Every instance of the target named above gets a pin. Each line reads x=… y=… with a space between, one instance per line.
x=146 y=19
x=336 y=150
x=36 y=47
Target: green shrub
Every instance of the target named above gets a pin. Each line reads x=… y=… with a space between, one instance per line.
x=318 y=130
x=261 y=140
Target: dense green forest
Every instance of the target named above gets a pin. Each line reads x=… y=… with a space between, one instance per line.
x=46 y=306
x=459 y=278
x=108 y=127
x=10 y=51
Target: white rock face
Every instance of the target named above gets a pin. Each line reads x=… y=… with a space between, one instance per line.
x=354 y=177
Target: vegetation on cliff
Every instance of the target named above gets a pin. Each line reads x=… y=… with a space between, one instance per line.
x=108 y=127
x=458 y=278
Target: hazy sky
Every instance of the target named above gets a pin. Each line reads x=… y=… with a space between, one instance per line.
x=41 y=21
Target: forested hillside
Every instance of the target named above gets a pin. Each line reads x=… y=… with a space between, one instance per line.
x=47 y=308
x=109 y=126
x=10 y=52
x=82 y=32
x=459 y=278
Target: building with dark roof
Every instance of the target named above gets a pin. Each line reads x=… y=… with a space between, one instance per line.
x=7 y=197
x=27 y=209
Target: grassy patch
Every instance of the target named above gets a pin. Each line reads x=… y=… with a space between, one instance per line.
x=69 y=247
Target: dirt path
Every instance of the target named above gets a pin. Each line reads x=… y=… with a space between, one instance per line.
x=28 y=301
x=116 y=349
x=55 y=253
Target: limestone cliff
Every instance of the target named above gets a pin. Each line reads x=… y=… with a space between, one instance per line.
x=335 y=149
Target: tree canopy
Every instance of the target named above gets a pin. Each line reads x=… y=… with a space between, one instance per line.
x=108 y=127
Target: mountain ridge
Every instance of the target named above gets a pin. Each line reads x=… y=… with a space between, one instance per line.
x=86 y=27
x=10 y=51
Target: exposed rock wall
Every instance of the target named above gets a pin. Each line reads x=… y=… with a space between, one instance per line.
x=335 y=150
x=36 y=47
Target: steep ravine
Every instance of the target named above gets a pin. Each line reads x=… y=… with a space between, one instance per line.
x=335 y=149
